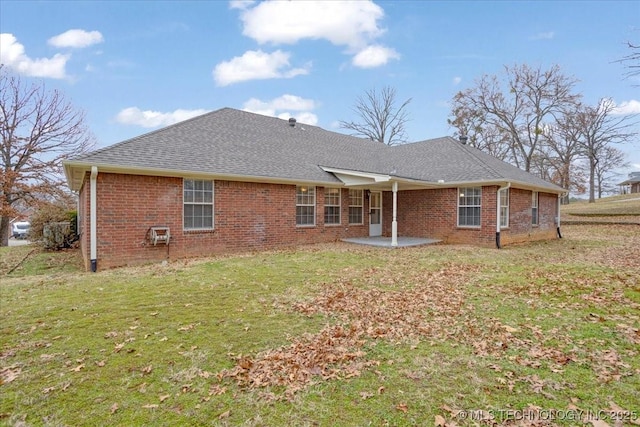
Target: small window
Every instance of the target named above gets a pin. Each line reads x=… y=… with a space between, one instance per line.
x=305 y=205
x=356 y=205
x=332 y=206
x=197 y=204
x=504 y=208
x=534 y=208
x=469 y=205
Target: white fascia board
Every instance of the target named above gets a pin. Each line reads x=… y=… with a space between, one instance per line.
x=75 y=172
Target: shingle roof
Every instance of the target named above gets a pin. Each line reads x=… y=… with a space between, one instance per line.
x=234 y=142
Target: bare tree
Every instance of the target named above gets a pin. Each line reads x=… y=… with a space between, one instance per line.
x=611 y=159
x=632 y=60
x=598 y=128
x=559 y=146
x=380 y=118
x=520 y=107
x=38 y=129
x=471 y=122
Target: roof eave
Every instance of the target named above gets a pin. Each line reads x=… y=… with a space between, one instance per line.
x=75 y=172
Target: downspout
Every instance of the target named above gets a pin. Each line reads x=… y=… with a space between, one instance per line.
x=498 y=245
x=560 y=196
x=93 y=218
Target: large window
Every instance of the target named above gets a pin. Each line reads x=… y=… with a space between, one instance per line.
x=198 y=204
x=356 y=205
x=332 y=206
x=469 y=204
x=534 y=208
x=504 y=208
x=305 y=205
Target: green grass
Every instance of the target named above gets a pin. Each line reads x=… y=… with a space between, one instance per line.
x=551 y=324
x=623 y=205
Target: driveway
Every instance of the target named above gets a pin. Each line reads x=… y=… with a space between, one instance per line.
x=18 y=242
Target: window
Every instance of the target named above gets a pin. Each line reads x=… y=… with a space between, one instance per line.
x=356 y=204
x=198 y=204
x=534 y=208
x=469 y=203
x=504 y=208
x=331 y=206
x=305 y=205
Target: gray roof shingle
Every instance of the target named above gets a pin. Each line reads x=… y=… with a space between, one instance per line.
x=234 y=142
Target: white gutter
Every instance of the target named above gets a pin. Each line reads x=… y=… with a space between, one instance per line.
x=93 y=219
x=504 y=187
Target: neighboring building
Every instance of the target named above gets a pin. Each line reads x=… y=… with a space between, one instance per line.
x=632 y=184
x=234 y=181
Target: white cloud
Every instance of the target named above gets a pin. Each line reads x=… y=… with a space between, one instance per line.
x=275 y=107
x=626 y=108
x=76 y=39
x=256 y=65
x=543 y=36
x=13 y=56
x=457 y=80
x=343 y=23
x=151 y=119
x=374 y=56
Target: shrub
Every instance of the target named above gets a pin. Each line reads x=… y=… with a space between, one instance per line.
x=54 y=226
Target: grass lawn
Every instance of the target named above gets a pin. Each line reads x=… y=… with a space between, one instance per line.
x=622 y=208
x=330 y=335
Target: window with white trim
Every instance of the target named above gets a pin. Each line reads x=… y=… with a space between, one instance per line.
x=331 y=206
x=504 y=208
x=356 y=206
x=197 y=204
x=305 y=206
x=534 y=208
x=469 y=206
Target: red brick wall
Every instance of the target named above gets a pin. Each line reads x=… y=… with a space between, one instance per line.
x=253 y=216
x=520 y=228
x=433 y=214
x=246 y=216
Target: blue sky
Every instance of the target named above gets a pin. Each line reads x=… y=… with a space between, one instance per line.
x=136 y=66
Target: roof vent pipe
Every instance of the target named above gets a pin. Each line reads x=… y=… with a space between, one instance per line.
x=463 y=139
x=292 y=122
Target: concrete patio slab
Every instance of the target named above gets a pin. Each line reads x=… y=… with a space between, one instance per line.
x=385 y=242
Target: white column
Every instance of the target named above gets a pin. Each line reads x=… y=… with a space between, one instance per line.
x=394 y=223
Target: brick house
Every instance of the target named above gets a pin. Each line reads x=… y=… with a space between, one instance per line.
x=231 y=180
x=632 y=184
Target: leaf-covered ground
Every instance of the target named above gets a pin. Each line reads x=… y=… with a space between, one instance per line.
x=538 y=334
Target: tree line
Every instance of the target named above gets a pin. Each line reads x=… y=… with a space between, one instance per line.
x=530 y=117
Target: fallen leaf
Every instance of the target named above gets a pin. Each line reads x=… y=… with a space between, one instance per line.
x=440 y=421
x=164 y=397
x=114 y=408
x=9 y=374
x=366 y=395
x=402 y=407
x=224 y=415
x=101 y=363
x=150 y=406
x=77 y=368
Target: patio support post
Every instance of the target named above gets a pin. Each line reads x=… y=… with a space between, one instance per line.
x=394 y=223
